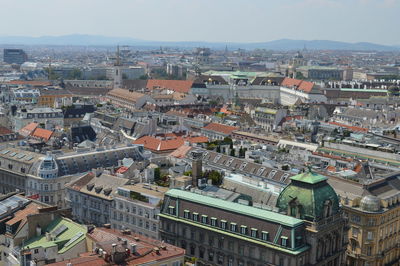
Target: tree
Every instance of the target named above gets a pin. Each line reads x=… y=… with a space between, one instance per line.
x=188 y=173
x=215 y=176
x=218 y=148
x=227 y=140
x=285 y=167
x=144 y=77
x=75 y=73
x=300 y=75
x=157 y=174
x=232 y=152
x=394 y=91
x=241 y=152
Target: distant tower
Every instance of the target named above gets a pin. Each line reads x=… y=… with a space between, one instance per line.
x=117 y=71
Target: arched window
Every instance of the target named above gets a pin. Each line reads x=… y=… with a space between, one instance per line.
x=327 y=208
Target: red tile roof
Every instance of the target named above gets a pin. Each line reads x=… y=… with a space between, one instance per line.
x=5 y=131
x=42 y=134
x=145 y=247
x=175 y=85
x=21 y=215
x=28 y=129
x=30 y=82
x=220 y=128
x=302 y=85
x=170 y=144
x=181 y=152
x=351 y=128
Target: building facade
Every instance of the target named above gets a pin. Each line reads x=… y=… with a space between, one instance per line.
x=309 y=228
x=15 y=56
x=136 y=207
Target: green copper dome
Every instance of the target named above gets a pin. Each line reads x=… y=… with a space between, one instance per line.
x=308 y=197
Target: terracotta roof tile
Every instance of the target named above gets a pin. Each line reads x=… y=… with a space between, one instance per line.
x=175 y=85
x=132 y=96
x=41 y=133
x=5 y=131
x=302 y=85
x=170 y=144
x=28 y=129
x=220 y=128
x=352 y=128
x=145 y=247
x=30 y=82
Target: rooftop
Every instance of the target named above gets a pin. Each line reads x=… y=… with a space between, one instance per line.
x=71 y=234
x=220 y=128
x=235 y=207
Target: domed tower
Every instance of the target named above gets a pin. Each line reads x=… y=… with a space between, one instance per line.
x=311 y=198
x=48 y=167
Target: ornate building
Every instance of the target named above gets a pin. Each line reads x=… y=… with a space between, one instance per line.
x=305 y=228
x=309 y=197
x=373 y=211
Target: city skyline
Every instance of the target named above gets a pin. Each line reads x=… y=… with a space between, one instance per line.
x=211 y=21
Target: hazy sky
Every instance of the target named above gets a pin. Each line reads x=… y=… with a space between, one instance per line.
x=207 y=20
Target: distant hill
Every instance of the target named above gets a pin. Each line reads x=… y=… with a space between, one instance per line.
x=283 y=44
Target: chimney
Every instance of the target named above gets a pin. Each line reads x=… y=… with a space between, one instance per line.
x=157 y=250
x=197 y=167
x=114 y=248
x=133 y=248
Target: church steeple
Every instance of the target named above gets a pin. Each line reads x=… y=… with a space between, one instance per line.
x=117 y=71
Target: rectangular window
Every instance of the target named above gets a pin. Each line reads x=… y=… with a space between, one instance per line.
x=370 y=235
x=204 y=219
x=171 y=210
x=264 y=235
x=186 y=214
x=355 y=232
x=223 y=224
x=253 y=232
x=213 y=221
x=243 y=230
x=195 y=217
x=233 y=227
x=284 y=241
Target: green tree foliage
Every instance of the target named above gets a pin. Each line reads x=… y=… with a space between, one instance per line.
x=157 y=174
x=218 y=148
x=215 y=176
x=75 y=73
x=232 y=152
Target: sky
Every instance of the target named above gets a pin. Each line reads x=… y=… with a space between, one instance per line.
x=207 y=20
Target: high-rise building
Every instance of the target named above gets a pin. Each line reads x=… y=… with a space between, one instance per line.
x=15 y=56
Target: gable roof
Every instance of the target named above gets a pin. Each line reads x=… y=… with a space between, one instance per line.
x=28 y=129
x=298 y=84
x=164 y=145
x=128 y=95
x=220 y=128
x=175 y=85
x=41 y=133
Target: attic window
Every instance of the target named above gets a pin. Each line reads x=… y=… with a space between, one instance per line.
x=242 y=166
x=272 y=174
